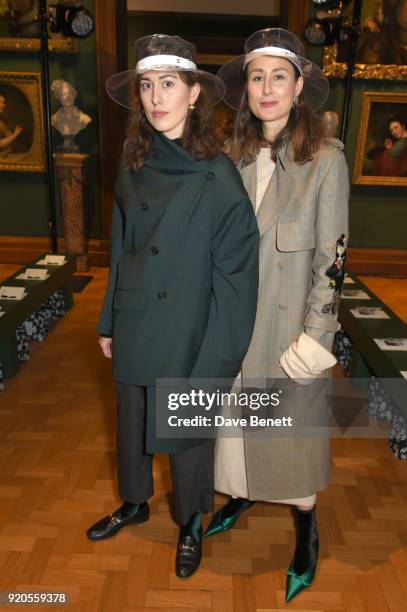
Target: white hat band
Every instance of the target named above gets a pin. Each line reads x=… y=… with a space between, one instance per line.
x=156 y=61
x=275 y=51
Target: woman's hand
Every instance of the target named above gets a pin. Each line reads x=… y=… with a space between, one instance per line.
x=11 y=136
x=106 y=346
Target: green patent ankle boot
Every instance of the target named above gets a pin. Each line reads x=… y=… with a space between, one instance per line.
x=226 y=517
x=301 y=572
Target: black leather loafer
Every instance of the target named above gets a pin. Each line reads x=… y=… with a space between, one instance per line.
x=189 y=553
x=108 y=526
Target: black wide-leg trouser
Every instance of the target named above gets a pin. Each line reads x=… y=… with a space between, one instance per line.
x=192 y=470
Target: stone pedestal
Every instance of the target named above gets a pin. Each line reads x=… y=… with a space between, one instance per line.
x=71 y=178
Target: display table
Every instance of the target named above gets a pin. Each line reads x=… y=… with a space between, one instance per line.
x=366 y=352
x=17 y=312
x=382 y=369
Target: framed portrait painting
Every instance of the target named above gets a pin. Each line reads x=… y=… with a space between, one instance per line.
x=382 y=45
x=381 y=154
x=20 y=30
x=22 y=146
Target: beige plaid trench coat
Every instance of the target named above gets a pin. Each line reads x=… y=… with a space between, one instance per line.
x=303 y=212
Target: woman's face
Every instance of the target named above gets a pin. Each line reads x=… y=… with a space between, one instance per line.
x=397 y=129
x=166 y=98
x=271 y=88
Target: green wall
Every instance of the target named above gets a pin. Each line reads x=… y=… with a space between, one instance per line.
x=23 y=195
x=378 y=215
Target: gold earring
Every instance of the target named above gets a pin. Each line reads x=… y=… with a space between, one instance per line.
x=191 y=108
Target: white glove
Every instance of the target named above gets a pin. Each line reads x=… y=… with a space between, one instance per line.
x=306 y=359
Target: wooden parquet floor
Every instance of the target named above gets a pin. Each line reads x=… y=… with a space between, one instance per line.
x=57 y=470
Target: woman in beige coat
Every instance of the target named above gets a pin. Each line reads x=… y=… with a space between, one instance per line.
x=298 y=184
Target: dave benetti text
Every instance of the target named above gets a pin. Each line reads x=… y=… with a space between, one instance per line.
x=220 y=421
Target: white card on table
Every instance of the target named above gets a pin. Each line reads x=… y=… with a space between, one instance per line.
x=12 y=293
x=391 y=344
x=54 y=260
x=354 y=294
x=34 y=274
x=39 y=273
x=369 y=312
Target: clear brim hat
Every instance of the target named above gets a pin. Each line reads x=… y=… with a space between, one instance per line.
x=278 y=43
x=162 y=52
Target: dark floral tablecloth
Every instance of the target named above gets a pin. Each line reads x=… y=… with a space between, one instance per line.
x=36 y=326
x=380 y=405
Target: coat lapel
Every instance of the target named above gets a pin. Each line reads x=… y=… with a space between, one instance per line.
x=249 y=177
x=277 y=194
x=177 y=178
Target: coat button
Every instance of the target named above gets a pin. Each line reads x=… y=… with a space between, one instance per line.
x=283 y=306
x=144 y=206
x=210 y=176
x=280 y=265
x=154 y=250
x=161 y=295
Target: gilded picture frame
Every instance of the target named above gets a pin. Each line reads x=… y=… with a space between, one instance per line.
x=19 y=29
x=381 y=50
x=22 y=144
x=381 y=152
x=333 y=68
x=55 y=45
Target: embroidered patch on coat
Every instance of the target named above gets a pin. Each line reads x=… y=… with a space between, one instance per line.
x=336 y=272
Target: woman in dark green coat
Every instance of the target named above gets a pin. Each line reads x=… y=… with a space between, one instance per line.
x=182 y=291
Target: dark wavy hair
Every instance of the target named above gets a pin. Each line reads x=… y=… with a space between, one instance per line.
x=304 y=130
x=200 y=138
x=397 y=118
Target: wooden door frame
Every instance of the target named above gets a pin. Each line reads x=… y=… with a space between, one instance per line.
x=111 y=57
x=294 y=15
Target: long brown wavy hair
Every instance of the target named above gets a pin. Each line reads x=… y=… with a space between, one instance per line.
x=200 y=138
x=304 y=130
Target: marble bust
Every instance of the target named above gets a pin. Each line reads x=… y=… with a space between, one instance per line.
x=331 y=122
x=69 y=120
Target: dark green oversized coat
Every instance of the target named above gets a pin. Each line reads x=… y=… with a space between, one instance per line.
x=182 y=291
